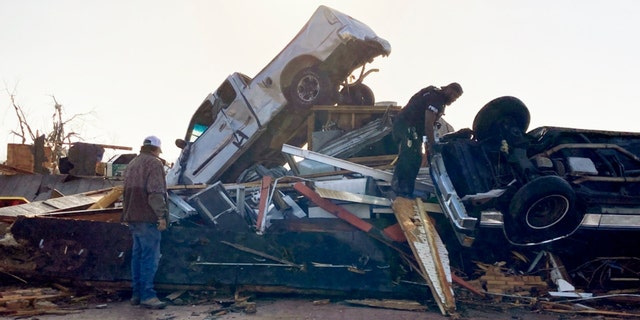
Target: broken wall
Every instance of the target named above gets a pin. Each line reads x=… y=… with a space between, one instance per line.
x=21 y=156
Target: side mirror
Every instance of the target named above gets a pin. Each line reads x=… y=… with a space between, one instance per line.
x=180 y=143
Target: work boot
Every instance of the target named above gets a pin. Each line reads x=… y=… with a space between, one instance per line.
x=135 y=300
x=153 y=303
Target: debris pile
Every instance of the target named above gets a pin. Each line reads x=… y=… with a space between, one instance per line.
x=327 y=224
x=496 y=281
x=504 y=286
x=33 y=301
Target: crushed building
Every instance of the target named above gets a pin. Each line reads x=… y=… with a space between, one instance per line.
x=253 y=210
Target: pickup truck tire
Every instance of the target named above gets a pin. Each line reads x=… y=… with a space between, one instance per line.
x=311 y=87
x=357 y=95
x=504 y=115
x=542 y=210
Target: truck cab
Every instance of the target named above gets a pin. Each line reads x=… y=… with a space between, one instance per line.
x=246 y=120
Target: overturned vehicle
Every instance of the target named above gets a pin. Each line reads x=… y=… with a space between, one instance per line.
x=332 y=232
x=339 y=233
x=296 y=234
x=540 y=185
x=270 y=109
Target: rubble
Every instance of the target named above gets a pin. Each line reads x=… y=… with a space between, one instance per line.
x=68 y=255
x=262 y=236
x=327 y=225
x=495 y=281
x=32 y=302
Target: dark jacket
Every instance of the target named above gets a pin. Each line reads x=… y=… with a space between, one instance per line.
x=413 y=114
x=145 y=190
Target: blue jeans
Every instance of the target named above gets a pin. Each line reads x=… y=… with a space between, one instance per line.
x=145 y=257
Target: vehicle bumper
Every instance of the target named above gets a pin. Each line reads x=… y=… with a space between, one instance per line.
x=463 y=225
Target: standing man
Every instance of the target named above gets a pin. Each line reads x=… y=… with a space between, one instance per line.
x=145 y=211
x=414 y=126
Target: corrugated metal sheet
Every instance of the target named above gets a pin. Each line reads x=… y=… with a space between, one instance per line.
x=36 y=187
x=353 y=141
x=51 y=206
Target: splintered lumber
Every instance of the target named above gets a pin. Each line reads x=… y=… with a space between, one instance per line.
x=390 y=304
x=497 y=282
x=175 y=295
x=625 y=315
x=34 y=301
x=428 y=249
x=107 y=146
x=108 y=199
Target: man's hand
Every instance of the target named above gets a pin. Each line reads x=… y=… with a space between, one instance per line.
x=162 y=224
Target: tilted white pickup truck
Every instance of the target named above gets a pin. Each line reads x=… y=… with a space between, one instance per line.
x=245 y=121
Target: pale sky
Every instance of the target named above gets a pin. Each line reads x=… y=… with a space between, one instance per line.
x=142 y=67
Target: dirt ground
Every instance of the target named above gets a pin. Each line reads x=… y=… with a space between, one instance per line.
x=110 y=301
x=293 y=307
x=268 y=309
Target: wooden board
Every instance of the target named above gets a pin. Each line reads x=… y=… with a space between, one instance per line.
x=428 y=249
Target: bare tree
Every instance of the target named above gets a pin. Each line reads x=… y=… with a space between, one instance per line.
x=22 y=120
x=55 y=139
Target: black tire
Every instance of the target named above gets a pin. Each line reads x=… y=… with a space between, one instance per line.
x=499 y=113
x=541 y=211
x=357 y=95
x=311 y=87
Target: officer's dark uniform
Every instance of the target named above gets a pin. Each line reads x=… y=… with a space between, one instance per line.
x=408 y=130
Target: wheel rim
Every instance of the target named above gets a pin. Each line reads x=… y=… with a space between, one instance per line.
x=308 y=88
x=547 y=212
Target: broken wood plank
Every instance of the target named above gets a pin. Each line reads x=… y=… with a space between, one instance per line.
x=38 y=312
x=175 y=295
x=428 y=249
x=107 y=146
x=30 y=295
x=188 y=186
x=390 y=304
x=625 y=315
x=25 y=297
x=108 y=199
x=432 y=207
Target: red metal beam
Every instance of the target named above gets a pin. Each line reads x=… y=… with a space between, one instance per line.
x=332 y=207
